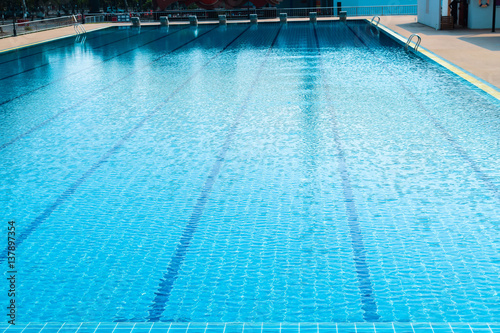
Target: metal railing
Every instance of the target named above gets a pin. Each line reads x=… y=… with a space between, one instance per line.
x=95 y=18
x=352 y=11
x=375 y=19
x=417 y=44
x=79 y=29
x=263 y=13
x=25 y=26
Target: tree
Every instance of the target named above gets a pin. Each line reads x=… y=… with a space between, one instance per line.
x=24 y=9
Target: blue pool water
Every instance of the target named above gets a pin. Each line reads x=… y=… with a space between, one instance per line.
x=296 y=173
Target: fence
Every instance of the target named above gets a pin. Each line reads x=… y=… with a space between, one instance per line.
x=352 y=11
x=95 y=18
x=244 y=13
x=25 y=26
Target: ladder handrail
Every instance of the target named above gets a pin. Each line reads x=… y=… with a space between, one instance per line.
x=373 y=18
x=79 y=29
x=417 y=44
x=374 y=30
x=376 y=33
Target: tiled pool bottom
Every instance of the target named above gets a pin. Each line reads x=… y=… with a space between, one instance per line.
x=310 y=195
x=127 y=327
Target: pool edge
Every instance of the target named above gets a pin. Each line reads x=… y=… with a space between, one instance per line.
x=466 y=75
x=15 y=48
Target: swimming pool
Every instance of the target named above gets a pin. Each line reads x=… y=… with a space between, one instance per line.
x=269 y=173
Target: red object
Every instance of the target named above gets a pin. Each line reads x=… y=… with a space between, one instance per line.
x=114 y=19
x=234 y=3
x=207 y=4
x=211 y=4
x=21 y=21
x=259 y=3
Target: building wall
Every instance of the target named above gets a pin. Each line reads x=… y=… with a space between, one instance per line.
x=480 y=18
x=429 y=13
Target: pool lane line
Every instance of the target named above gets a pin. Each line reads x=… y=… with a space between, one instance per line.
x=462 y=73
x=70 y=190
x=170 y=276
x=16 y=48
x=93 y=95
x=85 y=69
x=454 y=143
x=369 y=305
x=57 y=47
x=68 y=56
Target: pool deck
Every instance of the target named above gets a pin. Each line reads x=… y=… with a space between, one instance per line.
x=475 y=51
x=8 y=43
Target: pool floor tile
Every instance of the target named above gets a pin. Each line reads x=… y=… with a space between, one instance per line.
x=166 y=327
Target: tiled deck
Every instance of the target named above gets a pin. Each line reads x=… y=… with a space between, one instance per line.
x=38 y=37
x=253 y=328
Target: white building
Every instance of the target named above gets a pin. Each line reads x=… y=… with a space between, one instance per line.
x=473 y=14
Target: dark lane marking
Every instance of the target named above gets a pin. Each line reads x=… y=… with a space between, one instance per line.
x=54 y=48
x=368 y=303
x=458 y=148
x=23 y=72
x=50 y=63
x=454 y=143
x=85 y=69
x=167 y=282
x=127 y=37
x=94 y=96
x=66 y=194
x=95 y=48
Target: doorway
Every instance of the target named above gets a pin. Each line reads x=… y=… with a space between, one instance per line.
x=459 y=10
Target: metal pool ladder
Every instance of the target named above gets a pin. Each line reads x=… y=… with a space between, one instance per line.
x=417 y=44
x=79 y=28
x=378 y=20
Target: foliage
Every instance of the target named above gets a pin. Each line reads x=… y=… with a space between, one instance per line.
x=147 y=5
x=40 y=8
